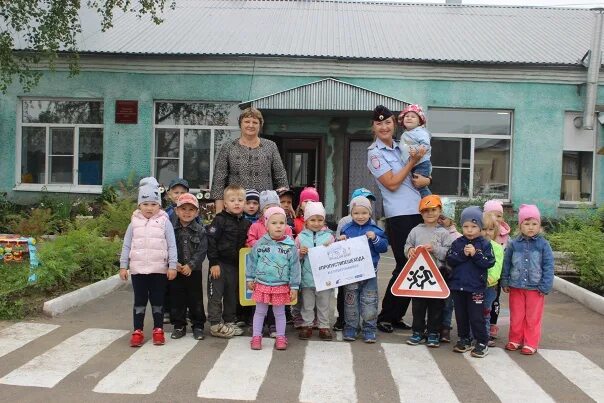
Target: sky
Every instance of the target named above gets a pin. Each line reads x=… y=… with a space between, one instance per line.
x=546 y=3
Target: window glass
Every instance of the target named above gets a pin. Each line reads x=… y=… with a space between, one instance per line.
x=166 y=170
x=90 y=158
x=74 y=112
x=196 y=113
x=196 y=162
x=33 y=155
x=222 y=136
x=577 y=168
x=491 y=167
x=167 y=143
x=450 y=166
x=73 y=126
x=469 y=121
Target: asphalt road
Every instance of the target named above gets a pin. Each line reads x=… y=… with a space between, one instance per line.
x=84 y=356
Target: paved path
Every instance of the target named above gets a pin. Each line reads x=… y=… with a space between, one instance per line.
x=84 y=356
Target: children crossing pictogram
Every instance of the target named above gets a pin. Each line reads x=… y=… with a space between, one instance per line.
x=420 y=278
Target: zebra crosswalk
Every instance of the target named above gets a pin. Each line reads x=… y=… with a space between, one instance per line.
x=315 y=371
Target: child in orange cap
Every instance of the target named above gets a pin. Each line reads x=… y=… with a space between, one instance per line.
x=435 y=239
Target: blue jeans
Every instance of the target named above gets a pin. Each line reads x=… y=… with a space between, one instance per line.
x=489 y=296
x=361 y=300
x=424 y=169
x=448 y=312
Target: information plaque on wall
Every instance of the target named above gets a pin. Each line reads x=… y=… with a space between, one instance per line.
x=126 y=112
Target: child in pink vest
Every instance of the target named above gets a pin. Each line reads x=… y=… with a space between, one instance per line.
x=149 y=253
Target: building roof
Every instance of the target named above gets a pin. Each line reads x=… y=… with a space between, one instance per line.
x=326 y=94
x=352 y=30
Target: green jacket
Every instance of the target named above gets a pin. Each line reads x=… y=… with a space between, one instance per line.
x=494 y=272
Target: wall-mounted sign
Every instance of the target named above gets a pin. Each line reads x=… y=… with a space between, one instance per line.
x=126 y=112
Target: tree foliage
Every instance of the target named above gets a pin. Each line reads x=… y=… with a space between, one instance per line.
x=46 y=28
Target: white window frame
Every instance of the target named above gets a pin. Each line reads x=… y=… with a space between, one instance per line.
x=594 y=152
x=54 y=187
x=473 y=138
x=181 y=144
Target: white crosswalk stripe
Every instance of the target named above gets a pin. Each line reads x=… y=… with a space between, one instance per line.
x=144 y=370
x=323 y=371
x=429 y=384
x=327 y=380
x=238 y=362
x=19 y=334
x=497 y=364
x=48 y=369
x=579 y=370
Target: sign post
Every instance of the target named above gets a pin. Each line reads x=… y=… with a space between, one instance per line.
x=420 y=278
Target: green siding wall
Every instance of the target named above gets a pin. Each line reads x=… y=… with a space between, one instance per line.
x=537 y=137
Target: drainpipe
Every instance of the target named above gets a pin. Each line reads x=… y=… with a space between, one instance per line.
x=593 y=72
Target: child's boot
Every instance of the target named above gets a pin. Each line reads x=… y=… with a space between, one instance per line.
x=305 y=333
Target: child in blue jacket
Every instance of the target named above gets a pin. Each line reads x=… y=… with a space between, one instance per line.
x=273 y=273
x=528 y=275
x=365 y=290
x=470 y=256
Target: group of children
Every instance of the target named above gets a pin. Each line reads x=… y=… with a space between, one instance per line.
x=168 y=247
x=475 y=266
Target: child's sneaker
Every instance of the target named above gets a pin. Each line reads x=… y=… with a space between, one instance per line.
x=177 y=333
x=462 y=346
x=480 y=350
x=272 y=331
x=237 y=331
x=415 y=339
x=158 y=336
x=445 y=335
x=491 y=342
x=493 y=330
x=369 y=337
x=305 y=333
x=433 y=340
x=198 y=333
x=325 y=334
x=222 y=330
x=339 y=325
x=349 y=334
x=137 y=338
x=256 y=343
x=281 y=343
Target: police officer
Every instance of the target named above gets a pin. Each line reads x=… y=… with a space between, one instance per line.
x=401 y=198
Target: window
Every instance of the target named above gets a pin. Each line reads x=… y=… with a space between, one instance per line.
x=471 y=152
x=577 y=160
x=188 y=136
x=61 y=145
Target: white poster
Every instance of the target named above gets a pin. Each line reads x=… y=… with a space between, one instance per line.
x=341 y=263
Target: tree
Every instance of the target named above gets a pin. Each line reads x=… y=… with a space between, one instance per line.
x=50 y=27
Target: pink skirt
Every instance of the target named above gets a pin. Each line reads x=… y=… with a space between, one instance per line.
x=274 y=295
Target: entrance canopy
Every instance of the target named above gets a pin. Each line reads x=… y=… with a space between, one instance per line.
x=328 y=94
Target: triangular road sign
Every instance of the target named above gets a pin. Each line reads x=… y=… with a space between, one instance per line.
x=420 y=278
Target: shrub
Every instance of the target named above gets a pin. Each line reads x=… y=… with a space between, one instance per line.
x=114 y=219
x=39 y=221
x=79 y=255
x=582 y=236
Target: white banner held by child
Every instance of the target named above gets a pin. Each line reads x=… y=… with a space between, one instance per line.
x=341 y=263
